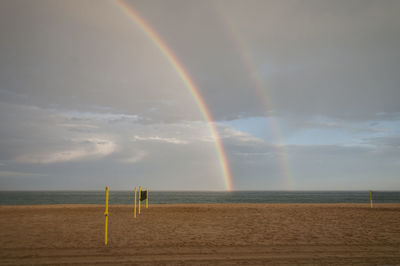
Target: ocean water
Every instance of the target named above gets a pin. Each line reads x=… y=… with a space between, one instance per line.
x=176 y=197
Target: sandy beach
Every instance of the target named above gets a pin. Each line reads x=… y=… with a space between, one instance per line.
x=202 y=234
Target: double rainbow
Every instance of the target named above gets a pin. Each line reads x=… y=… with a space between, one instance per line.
x=173 y=60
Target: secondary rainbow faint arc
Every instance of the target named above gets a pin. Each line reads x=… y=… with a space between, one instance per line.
x=261 y=90
x=173 y=60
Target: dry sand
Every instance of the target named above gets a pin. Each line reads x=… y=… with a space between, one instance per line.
x=202 y=234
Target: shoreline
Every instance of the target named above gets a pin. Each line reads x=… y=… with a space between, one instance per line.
x=205 y=204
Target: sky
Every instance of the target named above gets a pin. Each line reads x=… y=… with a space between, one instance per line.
x=200 y=95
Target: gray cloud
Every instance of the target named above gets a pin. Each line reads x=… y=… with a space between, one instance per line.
x=337 y=59
x=73 y=150
x=87 y=99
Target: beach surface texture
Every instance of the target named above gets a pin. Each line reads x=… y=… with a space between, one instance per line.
x=202 y=234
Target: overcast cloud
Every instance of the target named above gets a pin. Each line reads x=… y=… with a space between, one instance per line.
x=88 y=100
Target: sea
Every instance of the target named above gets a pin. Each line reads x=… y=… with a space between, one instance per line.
x=179 y=197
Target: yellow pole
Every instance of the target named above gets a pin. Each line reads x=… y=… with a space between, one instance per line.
x=135 y=204
x=140 y=194
x=370 y=197
x=106 y=215
x=147 y=198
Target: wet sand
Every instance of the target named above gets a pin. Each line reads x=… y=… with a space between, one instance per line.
x=202 y=234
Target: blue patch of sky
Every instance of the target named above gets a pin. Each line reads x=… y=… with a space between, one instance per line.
x=319 y=136
x=391 y=126
x=259 y=127
x=319 y=131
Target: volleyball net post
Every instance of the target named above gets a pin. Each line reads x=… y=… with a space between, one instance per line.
x=147 y=198
x=140 y=194
x=134 y=211
x=106 y=218
x=370 y=198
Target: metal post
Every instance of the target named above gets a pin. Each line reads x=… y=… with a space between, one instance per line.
x=140 y=195
x=370 y=197
x=135 y=204
x=147 y=198
x=106 y=216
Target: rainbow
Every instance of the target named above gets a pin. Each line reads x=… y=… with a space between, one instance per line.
x=173 y=60
x=262 y=92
